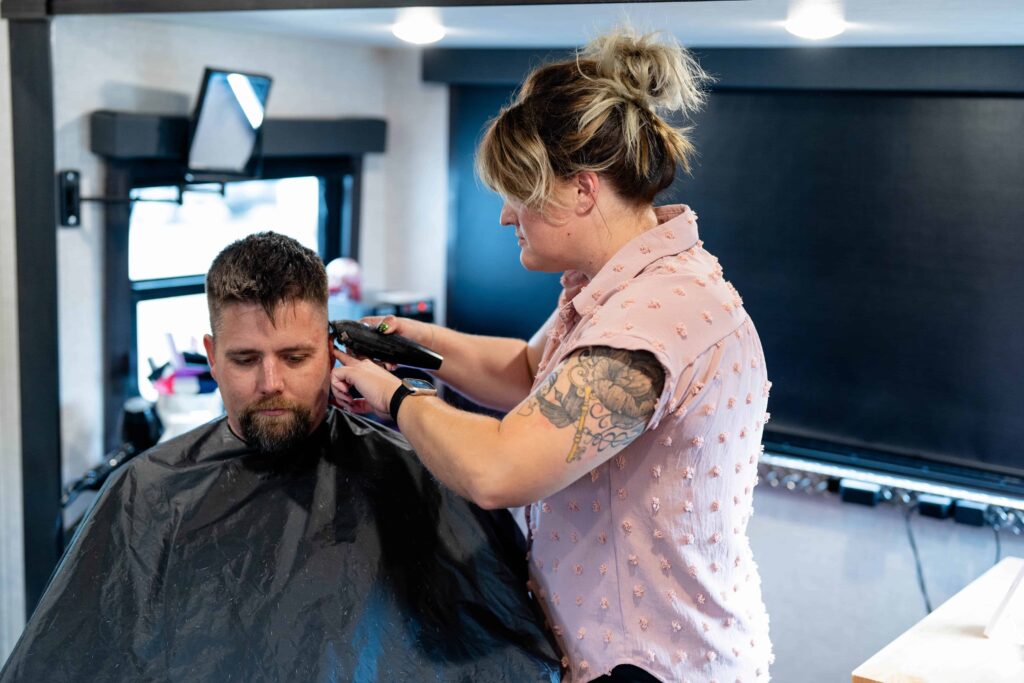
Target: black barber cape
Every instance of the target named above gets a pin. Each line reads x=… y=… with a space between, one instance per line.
x=342 y=560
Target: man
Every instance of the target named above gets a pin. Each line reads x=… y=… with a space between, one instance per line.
x=285 y=542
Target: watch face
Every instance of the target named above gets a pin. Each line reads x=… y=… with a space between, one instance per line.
x=418 y=384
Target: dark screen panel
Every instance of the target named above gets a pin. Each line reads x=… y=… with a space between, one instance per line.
x=489 y=291
x=878 y=242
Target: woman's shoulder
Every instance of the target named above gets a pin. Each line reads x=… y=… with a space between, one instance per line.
x=674 y=291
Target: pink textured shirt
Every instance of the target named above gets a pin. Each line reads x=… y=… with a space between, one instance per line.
x=646 y=561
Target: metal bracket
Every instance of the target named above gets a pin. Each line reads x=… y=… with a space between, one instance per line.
x=69 y=197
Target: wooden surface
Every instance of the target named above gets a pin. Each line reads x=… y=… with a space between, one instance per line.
x=949 y=645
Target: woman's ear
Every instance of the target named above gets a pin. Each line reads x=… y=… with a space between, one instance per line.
x=587 y=186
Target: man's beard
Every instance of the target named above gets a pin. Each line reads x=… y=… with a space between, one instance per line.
x=269 y=434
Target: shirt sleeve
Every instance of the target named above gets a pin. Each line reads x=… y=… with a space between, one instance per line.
x=673 y=316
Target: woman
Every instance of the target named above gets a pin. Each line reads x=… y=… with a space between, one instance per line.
x=634 y=416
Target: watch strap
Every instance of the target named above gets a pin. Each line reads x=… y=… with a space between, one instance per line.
x=396 y=400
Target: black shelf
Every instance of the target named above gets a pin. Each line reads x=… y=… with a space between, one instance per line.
x=129 y=136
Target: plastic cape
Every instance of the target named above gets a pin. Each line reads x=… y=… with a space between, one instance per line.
x=342 y=560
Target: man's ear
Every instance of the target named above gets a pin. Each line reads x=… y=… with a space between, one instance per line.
x=208 y=345
x=331 y=361
x=587 y=185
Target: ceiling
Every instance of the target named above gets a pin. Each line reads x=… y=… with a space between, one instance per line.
x=722 y=23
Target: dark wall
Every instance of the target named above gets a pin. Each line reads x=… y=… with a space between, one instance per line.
x=489 y=291
x=878 y=242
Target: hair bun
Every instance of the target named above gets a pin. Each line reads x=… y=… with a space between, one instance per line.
x=649 y=68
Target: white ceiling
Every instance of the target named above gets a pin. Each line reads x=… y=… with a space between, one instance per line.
x=721 y=23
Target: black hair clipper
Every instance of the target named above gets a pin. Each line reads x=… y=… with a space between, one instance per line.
x=363 y=340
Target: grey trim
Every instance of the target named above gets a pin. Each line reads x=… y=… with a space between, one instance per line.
x=125 y=135
x=10 y=7
x=161 y=288
x=328 y=138
x=118 y=382
x=990 y=70
x=23 y=9
x=473 y=66
x=905 y=69
x=354 y=212
x=35 y=219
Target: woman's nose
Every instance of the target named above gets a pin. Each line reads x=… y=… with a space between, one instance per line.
x=508 y=216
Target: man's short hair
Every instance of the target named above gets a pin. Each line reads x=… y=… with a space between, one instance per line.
x=267 y=269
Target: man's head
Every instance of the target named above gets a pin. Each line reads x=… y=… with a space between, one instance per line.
x=269 y=350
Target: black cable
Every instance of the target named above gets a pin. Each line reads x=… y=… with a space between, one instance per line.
x=999 y=545
x=917 y=559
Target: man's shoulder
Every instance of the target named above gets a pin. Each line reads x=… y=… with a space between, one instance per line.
x=186 y=455
x=209 y=441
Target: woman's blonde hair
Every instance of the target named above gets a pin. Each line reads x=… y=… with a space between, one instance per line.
x=601 y=112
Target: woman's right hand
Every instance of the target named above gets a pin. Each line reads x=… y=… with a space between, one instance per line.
x=416 y=330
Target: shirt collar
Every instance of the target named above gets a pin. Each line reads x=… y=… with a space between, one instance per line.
x=676 y=231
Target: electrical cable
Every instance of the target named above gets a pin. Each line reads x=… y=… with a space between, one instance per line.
x=917 y=559
x=999 y=545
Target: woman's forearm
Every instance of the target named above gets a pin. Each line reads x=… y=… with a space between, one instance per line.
x=492 y=371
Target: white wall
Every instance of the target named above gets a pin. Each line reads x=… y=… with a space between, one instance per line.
x=12 y=589
x=416 y=223
x=144 y=66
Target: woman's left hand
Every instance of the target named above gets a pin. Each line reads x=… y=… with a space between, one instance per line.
x=374 y=383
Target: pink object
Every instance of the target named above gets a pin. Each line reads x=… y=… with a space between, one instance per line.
x=667 y=486
x=344 y=275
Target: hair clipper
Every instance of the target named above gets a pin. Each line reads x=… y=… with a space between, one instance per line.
x=363 y=340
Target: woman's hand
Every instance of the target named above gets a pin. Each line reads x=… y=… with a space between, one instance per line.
x=413 y=330
x=416 y=330
x=374 y=383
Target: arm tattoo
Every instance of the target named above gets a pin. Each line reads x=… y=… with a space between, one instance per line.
x=606 y=395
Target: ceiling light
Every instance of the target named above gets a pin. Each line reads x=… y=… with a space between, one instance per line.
x=816 y=22
x=419 y=26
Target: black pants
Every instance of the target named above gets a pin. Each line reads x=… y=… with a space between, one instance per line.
x=626 y=673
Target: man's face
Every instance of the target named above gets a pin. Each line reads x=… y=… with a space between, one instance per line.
x=274 y=376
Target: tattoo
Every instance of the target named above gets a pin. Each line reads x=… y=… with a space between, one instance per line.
x=607 y=395
x=528 y=407
x=531 y=404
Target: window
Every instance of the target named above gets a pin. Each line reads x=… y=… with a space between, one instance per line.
x=172 y=240
x=167 y=239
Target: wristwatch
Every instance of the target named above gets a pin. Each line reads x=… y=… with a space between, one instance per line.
x=409 y=387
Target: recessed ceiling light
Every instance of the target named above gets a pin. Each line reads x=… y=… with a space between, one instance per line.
x=418 y=25
x=816 y=21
